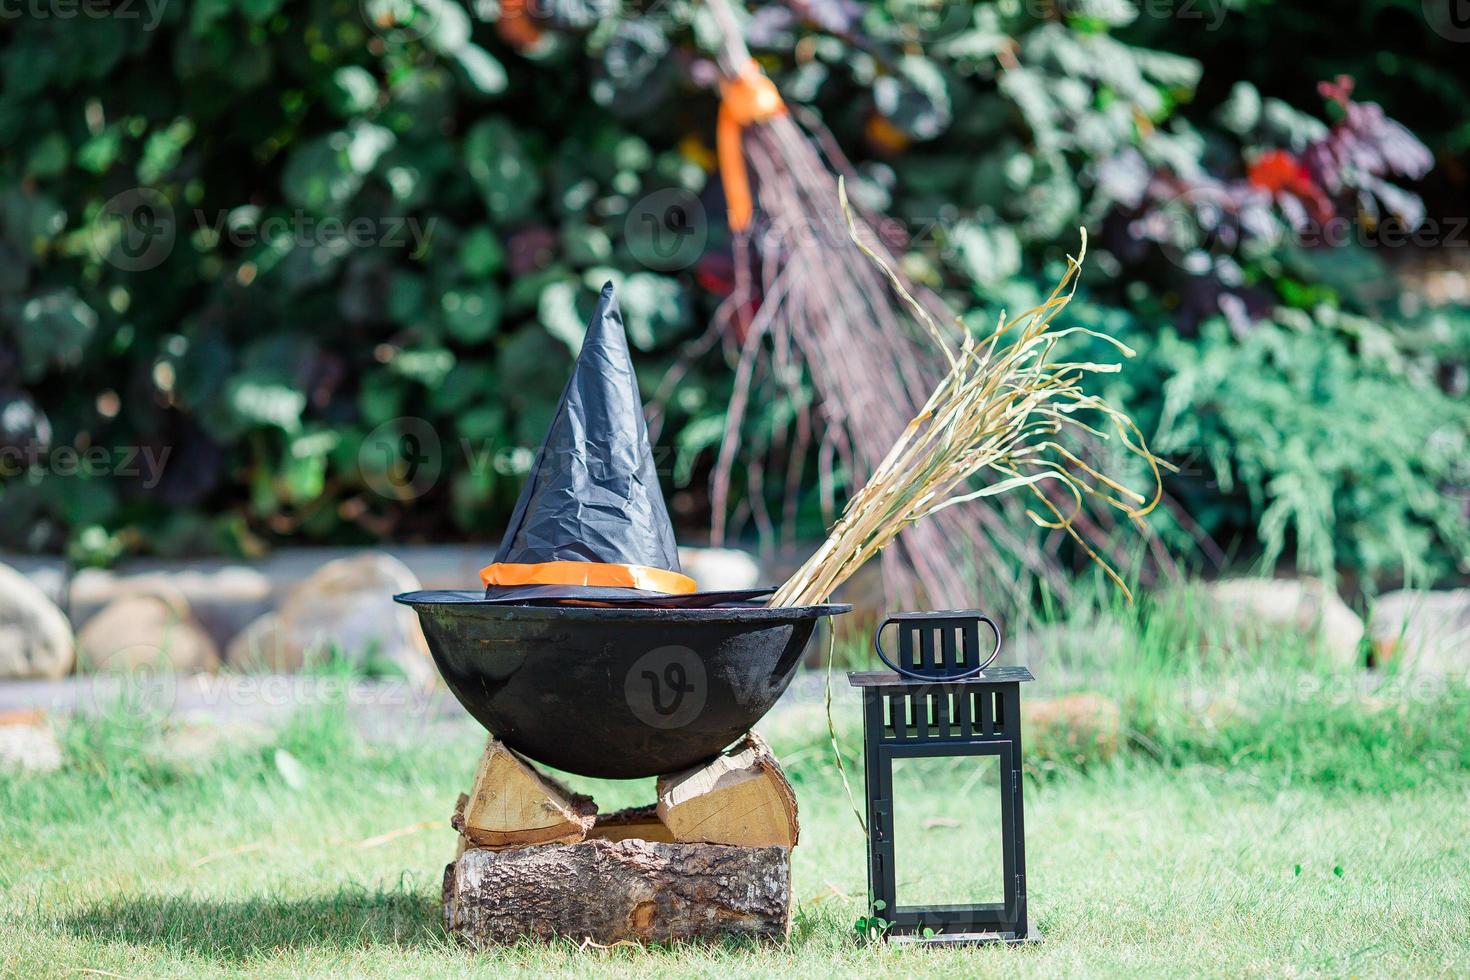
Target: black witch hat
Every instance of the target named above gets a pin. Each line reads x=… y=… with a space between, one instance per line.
x=591 y=525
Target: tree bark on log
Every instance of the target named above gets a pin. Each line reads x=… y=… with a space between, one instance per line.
x=610 y=891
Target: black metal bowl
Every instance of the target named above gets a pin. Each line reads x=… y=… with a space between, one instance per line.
x=615 y=693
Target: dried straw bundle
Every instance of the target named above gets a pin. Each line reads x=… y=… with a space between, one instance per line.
x=998 y=414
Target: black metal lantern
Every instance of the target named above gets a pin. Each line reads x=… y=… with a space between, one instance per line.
x=939 y=722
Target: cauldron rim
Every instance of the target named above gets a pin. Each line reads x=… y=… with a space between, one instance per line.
x=464 y=602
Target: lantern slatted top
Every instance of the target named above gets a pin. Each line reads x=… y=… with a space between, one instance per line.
x=973 y=707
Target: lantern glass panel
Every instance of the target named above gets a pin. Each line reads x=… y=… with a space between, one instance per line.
x=946 y=830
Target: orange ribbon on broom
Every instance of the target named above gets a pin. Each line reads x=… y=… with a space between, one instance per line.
x=748 y=98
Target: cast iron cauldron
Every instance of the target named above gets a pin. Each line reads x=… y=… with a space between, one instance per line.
x=615 y=693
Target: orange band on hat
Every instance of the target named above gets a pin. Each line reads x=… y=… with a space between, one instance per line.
x=644 y=577
x=749 y=98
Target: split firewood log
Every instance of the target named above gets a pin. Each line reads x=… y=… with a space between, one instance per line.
x=511 y=804
x=741 y=798
x=634 y=823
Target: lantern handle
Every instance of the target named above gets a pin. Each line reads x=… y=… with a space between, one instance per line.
x=920 y=675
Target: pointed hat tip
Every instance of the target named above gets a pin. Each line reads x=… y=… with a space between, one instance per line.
x=607 y=302
x=607 y=316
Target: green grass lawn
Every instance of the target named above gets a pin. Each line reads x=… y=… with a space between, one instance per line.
x=1330 y=838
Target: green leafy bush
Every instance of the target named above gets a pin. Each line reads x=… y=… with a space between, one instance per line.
x=238 y=238
x=1327 y=444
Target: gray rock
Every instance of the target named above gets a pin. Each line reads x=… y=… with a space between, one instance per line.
x=35 y=638
x=1305 y=606
x=1078 y=728
x=142 y=631
x=1427 y=632
x=47 y=573
x=196 y=741
x=347 y=606
x=261 y=647
x=222 y=598
x=27 y=744
x=435 y=566
x=721 y=568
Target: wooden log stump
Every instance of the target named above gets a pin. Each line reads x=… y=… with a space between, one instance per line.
x=740 y=798
x=611 y=891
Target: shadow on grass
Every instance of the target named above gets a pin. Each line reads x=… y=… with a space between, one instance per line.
x=244 y=929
